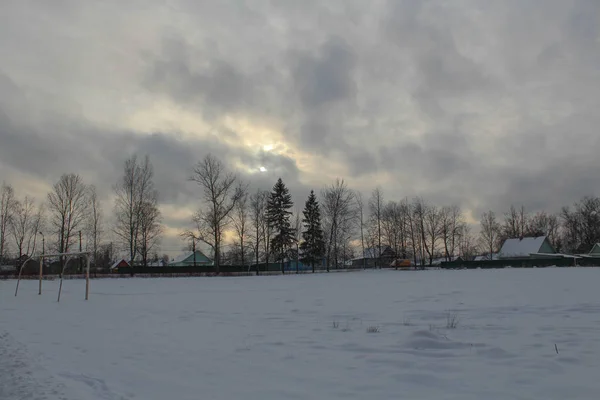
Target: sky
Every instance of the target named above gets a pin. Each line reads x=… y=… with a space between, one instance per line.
x=476 y=103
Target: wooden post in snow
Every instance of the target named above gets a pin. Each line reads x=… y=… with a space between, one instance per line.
x=87 y=277
x=19 y=278
x=41 y=273
x=62 y=273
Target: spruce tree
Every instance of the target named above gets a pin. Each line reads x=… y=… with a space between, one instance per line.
x=313 y=246
x=278 y=216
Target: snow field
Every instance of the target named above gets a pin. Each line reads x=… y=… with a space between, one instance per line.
x=366 y=335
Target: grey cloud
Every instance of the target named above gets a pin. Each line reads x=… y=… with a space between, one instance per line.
x=326 y=77
x=61 y=146
x=477 y=103
x=219 y=86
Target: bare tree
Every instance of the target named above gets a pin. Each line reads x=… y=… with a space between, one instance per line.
x=388 y=229
x=394 y=226
x=221 y=192
x=515 y=223
x=135 y=189
x=347 y=230
x=432 y=230
x=297 y=226
x=450 y=227
x=241 y=226
x=404 y=226
x=258 y=204
x=412 y=230
x=581 y=225
x=490 y=232
x=467 y=243
x=419 y=214
x=361 y=223
x=376 y=208
x=338 y=207
x=7 y=208
x=68 y=204
x=25 y=225
x=150 y=229
x=543 y=224
x=95 y=224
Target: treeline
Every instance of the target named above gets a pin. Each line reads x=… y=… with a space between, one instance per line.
x=339 y=225
x=333 y=225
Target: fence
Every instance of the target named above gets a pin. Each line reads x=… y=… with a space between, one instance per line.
x=138 y=271
x=522 y=263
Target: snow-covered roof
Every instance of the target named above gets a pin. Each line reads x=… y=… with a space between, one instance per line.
x=159 y=263
x=182 y=257
x=188 y=257
x=522 y=247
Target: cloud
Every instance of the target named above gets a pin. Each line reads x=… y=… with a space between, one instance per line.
x=476 y=103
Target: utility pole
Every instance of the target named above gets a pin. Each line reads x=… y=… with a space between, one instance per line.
x=194 y=249
x=80 y=264
x=43 y=248
x=43 y=243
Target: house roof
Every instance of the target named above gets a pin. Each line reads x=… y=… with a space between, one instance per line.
x=522 y=247
x=188 y=257
x=595 y=250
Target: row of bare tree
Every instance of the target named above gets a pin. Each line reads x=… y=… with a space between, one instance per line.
x=416 y=229
x=72 y=214
x=412 y=229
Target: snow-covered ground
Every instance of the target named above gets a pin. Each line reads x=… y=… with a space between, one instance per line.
x=306 y=337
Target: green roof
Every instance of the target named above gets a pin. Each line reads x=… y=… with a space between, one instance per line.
x=187 y=259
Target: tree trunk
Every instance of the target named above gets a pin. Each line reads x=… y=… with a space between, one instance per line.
x=257 y=250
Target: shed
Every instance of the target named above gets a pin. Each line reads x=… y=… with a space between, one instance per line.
x=122 y=263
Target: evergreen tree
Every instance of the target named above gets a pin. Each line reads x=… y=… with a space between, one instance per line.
x=313 y=246
x=278 y=216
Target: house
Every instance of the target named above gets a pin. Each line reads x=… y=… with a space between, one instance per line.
x=527 y=247
x=594 y=253
x=486 y=257
x=122 y=263
x=190 y=258
x=158 y=263
x=439 y=260
x=372 y=256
